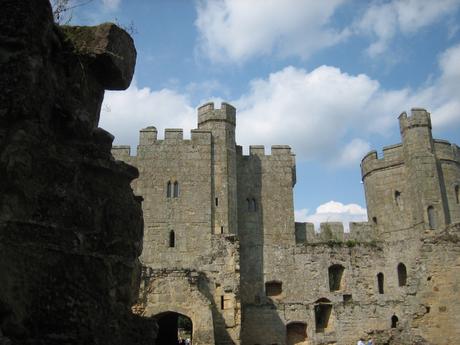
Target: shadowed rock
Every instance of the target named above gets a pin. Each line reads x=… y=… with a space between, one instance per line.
x=70 y=226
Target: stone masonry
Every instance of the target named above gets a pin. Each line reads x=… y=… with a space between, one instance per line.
x=71 y=228
x=221 y=245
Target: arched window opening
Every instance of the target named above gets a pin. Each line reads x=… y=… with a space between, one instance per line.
x=398 y=199
x=172 y=327
x=374 y=220
x=380 y=282
x=335 y=277
x=296 y=333
x=273 y=288
x=168 y=189
x=457 y=194
x=323 y=313
x=394 y=321
x=431 y=217
x=248 y=202
x=176 y=189
x=402 y=274
x=172 y=239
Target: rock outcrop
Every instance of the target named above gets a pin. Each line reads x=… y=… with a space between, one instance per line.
x=71 y=228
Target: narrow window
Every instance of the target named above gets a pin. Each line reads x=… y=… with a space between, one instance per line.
x=394 y=321
x=248 y=202
x=335 y=277
x=176 y=189
x=222 y=302
x=253 y=205
x=172 y=239
x=168 y=189
x=374 y=220
x=380 y=281
x=402 y=274
x=217 y=201
x=323 y=311
x=457 y=194
x=222 y=229
x=273 y=288
x=431 y=217
x=398 y=199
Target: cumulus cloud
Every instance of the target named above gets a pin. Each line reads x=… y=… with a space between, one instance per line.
x=327 y=114
x=384 y=20
x=323 y=114
x=333 y=211
x=315 y=110
x=236 y=30
x=125 y=113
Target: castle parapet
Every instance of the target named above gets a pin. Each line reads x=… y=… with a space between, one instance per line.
x=174 y=134
x=147 y=136
x=207 y=112
x=446 y=151
x=392 y=156
x=360 y=232
x=121 y=152
x=419 y=118
x=257 y=150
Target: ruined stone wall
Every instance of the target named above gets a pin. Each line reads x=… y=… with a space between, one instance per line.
x=187 y=229
x=410 y=178
x=70 y=226
x=265 y=212
x=187 y=162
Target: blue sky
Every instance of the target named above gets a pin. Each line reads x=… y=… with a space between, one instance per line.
x=328 y=78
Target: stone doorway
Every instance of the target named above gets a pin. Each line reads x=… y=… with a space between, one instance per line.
x=174 y=329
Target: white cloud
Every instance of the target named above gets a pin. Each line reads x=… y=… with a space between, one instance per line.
x=314 y=110
x=353 y=152
x=125 y=113
x=333 y=211
x=328 y=114
x=385 y=20
x=236 y=30
x=323 y=114
x=111 y=4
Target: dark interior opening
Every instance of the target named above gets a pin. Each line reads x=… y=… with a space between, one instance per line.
x=335 y=277
x=273 y=288
x=296 y=333
x=402 y=274
x=380 y=281
x=394 y=321
x=322 y=316
x=172 y=327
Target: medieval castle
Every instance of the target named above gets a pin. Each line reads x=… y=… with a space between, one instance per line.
x=222 y=248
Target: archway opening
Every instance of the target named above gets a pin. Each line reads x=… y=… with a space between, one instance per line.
x=402 y=274
x=394 y=321
x=174 y=329
x=296 y=333
x=324 y=320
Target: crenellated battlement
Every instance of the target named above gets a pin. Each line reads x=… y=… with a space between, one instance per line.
x=447 y=151
x=148 y=141
x=207 y=112
x=259 y=151
x=419 y=118
x=334 y=231
x=392 y=156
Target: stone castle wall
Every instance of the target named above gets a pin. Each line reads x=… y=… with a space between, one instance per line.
x=284 y=282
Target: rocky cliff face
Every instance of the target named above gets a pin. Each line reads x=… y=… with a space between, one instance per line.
x=70 y=227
